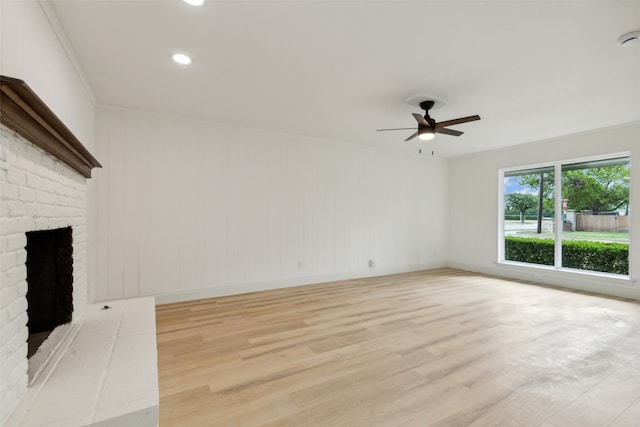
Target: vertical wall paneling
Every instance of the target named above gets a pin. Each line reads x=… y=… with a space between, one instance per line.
x=215 y=204
x=132 y=155
x=196 y=208
x=116 y=212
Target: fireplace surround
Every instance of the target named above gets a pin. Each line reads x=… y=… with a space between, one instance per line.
x=43 y=187
x=99 y=369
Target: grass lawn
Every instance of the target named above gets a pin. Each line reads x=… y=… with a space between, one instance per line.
x=600 y=236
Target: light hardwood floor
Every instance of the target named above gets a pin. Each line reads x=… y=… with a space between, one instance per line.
x=440 y=347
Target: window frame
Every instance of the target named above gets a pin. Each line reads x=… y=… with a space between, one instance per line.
x=557 y=226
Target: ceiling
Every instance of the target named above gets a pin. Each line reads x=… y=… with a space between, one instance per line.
x=342 y=69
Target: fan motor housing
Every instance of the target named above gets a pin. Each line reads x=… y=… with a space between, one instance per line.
x=427 y=105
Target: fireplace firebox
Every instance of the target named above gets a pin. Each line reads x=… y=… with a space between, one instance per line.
x=49 y=281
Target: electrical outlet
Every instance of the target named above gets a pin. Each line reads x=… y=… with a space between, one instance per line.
x=372 y=262
x=537 y=277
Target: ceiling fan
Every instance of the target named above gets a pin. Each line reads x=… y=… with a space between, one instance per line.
x=428 y=127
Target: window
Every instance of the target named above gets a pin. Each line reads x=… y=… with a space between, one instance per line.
x=572 y=215
x=529 y=197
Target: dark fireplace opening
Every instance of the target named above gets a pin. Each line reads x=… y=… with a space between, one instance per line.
x=50 y=283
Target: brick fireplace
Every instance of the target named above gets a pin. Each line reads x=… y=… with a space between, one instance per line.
x=40 y=192
x=98 y=364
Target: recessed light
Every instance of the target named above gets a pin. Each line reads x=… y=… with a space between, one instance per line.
x=194 y=2
x=181 y=58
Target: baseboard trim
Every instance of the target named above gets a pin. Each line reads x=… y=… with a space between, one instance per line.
x=621 y=287
x=243 y=288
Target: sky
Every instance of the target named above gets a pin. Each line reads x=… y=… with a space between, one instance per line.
x=511 y=186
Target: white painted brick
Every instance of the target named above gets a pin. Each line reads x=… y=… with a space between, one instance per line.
x=4 y=209
x=75 y=222
x=48 y=163
x=42 y=224
x=7 y=296
x=15 y=176
x=4 y=320
x=13 y=157
x=21 y=354
x=48 y=186
x=9 y=191
x=27 y=164
x=8 y=225
x=13 y=276
x=22 y=288
x=9 y=361
x=48 y=198
x=36 y=210
x=27 y=194
x=17 y=307
x=26 y=223
x=34 y=181
x=18 y=340
x=16 y=241
x=38 y=193
x=16 y=208
x=9 y=330
x=5 y=277
x=16 y=148
x=24 y=318
x=21 y=257
x=8 y=260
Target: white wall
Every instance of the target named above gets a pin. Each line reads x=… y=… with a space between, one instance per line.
x=473 y=205
x=208 y=209
x=33 y=51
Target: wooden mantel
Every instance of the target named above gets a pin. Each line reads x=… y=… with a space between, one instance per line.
x=25 y=113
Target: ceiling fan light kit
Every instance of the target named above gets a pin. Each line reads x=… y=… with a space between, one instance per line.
x=426 y=134
x=428 y=127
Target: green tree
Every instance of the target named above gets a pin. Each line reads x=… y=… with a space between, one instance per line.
x=520 y=202
x=544 y=183
x=602 y=189
x=548 y=184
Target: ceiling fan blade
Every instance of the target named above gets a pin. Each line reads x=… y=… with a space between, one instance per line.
x=382 y=130
x=449 y=131
x=421 y=120
x=411 y=137
x=457 y=121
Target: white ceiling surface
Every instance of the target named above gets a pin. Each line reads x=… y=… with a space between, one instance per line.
x=340 y=70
